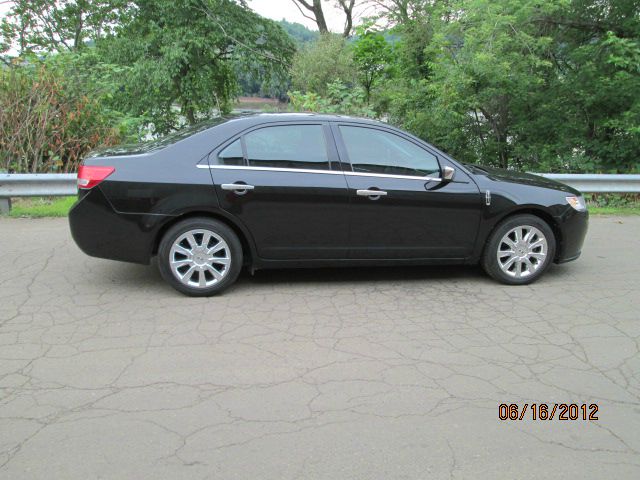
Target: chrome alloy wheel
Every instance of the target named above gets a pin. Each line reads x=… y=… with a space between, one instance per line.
x=522 y=251
x=200 y=258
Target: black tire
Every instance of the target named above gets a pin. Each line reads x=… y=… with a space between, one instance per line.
x=490 y=261
x=217 y=228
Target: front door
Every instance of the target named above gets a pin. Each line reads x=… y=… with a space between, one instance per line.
x=399 y=206
x=284 y=183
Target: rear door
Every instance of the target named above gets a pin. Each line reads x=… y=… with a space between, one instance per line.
x=415 y=214
x=284 y=182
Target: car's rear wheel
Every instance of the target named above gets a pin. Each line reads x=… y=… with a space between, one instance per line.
x=519 y=250
x=200 y=257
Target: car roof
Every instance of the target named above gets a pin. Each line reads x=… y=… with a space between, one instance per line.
x=260 y=118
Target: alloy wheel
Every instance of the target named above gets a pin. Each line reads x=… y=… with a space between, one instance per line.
x=199 y=258
x=522 y=251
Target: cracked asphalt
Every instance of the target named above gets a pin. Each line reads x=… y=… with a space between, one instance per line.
x=106 y=372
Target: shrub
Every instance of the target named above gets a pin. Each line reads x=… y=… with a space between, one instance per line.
x=52 y=114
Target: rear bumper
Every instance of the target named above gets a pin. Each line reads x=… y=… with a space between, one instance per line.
x=102 y=232
x=573 y=230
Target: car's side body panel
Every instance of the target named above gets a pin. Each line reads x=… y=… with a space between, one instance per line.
x=298 y=218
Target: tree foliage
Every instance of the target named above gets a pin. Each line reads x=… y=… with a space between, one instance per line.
x=192 y=51
x=534 y=84
x=371 y=54
x=547 y=85
x=321 y=63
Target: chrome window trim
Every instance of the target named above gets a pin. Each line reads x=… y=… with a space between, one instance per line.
x=382 y=175
x=326 y=172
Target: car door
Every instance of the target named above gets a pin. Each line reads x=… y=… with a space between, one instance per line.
x=285 y=184
x=399 y=206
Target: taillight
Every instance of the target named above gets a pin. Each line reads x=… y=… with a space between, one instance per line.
x=89 y=176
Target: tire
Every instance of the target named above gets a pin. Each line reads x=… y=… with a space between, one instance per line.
x=533 y=245
x=200 y=269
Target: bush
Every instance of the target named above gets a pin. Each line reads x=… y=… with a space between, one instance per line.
x=53 y=111
x=339 y=99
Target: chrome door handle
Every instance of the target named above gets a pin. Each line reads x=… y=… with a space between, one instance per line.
x=237 y=187
x=371 y=193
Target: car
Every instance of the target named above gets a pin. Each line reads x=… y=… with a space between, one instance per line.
x=309 y=190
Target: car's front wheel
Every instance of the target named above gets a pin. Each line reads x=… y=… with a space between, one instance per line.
x=519 y=250
x=200 y=256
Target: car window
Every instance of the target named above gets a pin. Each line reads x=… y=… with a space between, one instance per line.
x=376 y=151
x=231 y=155
x=288 y=146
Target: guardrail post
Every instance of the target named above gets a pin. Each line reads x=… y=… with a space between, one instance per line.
x=5 y=205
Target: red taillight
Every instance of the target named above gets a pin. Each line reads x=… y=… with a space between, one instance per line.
x=90 y=176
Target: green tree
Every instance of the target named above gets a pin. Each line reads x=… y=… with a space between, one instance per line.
x=371 y=54
x=54 y=25
x=185 y=54
x=322 y=62
x=542 y=85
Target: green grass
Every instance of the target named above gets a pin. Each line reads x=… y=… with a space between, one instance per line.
x=614 y=210
x=59 y=207
x=41 y=207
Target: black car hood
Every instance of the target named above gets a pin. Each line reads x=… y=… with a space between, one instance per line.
x=512 y=176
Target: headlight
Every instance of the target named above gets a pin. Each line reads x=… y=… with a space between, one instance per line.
x=577 y=203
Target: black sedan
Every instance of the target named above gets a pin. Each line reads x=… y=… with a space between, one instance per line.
x=303 y=190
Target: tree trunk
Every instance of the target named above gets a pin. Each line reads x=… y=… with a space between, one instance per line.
x=347 y=7
x=316 y=9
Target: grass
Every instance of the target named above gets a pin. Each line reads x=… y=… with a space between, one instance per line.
x=614 y=210
x=40 y=207
x=59 y=207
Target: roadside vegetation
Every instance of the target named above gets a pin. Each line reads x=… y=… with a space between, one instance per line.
x=537 y=85
x=59 y=206
x=40 y=207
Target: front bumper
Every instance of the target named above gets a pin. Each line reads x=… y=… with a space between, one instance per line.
x=573 y=227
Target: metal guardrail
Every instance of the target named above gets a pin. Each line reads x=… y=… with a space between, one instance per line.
x=64 y=184
x=35 y=185
x=597 y=182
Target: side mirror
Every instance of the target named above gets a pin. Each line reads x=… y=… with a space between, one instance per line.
x=448 y=173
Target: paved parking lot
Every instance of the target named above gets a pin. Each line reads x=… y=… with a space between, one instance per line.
x=106 y=372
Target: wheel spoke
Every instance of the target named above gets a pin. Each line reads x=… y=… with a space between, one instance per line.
x=537 y=243
x=181 y=263
x=518 y=271
x=187 y=276
x=216 y=248
x=206 y=238
x=216 y=274
x=509 y=242
x=221 y=260
x=202 y=279
x=180 y=249
x=192 y=240
x=506 y=265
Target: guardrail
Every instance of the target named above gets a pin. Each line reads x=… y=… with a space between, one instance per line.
x=14 y=185
x=598 y=182
x=64 y=184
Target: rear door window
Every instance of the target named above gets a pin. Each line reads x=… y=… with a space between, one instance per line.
x=231 y=155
